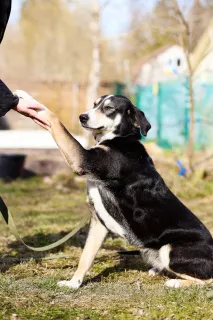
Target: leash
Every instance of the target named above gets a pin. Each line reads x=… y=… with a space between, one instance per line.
x=12 y=226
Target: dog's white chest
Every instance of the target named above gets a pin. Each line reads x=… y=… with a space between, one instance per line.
x=101 y=211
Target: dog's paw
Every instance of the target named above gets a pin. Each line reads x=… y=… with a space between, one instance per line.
x=173 y=283
x=153 y=272
x=72 y=284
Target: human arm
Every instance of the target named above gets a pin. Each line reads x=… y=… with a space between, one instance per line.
x=5 y=9
x=7 y=99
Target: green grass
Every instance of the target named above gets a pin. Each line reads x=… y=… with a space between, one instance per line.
x=116 y=287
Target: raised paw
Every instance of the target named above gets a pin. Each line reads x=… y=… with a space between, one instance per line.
x=173 y=283
x=72 y=284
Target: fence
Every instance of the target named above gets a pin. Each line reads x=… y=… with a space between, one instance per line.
x=166 y=106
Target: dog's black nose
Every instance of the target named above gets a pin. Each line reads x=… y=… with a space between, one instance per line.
x=84 y=117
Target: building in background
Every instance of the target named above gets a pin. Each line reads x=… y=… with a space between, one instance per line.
x=202 y=57
x=164 y=64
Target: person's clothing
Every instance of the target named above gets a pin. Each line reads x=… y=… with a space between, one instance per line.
x=5 y=8
x=7 y=99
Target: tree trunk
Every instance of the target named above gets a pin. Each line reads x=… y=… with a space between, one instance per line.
x=191 y=116
x=185 y=43
x=75 y=105
x=94 y=76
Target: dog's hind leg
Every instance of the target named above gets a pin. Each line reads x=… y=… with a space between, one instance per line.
x=190 y=265
x=97 y=234
x=185 y=281
x=153 y=272
x=180 y=283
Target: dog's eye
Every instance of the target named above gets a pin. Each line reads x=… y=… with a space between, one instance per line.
x=108 y=108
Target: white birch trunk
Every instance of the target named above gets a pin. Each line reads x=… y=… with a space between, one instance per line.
x=94 y=76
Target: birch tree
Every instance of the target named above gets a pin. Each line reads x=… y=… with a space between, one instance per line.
x=182 y=30
x=94 y=75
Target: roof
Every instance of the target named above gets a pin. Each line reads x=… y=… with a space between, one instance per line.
x=203 y=48
x=148 y=57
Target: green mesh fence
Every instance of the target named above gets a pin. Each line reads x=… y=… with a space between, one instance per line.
x=204 y=114
x=166 y=106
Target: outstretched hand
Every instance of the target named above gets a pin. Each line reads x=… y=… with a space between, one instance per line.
x=31 y=108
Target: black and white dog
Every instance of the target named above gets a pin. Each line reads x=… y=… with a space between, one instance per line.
x=129 y=197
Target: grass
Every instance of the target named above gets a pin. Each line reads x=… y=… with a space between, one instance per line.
x=117 y=287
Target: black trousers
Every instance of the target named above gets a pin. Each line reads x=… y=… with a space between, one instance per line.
x=7 y=99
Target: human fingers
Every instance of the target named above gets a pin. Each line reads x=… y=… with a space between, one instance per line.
x=38 y=116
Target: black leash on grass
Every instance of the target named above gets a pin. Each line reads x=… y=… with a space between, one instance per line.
x=12 y=226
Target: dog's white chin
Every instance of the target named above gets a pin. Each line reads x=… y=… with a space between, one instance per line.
x=86 y=128
x=95 y=130
x=100 y=134
x=104 y=136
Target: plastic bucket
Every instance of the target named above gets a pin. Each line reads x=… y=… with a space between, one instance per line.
x=11 y=166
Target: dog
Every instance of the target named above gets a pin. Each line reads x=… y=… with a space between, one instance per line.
x=128 y=197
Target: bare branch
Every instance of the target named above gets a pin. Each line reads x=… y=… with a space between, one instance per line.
x=209 y=157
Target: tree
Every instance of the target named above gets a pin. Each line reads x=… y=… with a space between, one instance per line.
x=95 y=71
x=184 y=39
x=199 y=18
x=57 y=45
x=182 y=31
x=148 y=30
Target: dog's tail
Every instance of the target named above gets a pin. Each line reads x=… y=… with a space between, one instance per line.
x=130 y=253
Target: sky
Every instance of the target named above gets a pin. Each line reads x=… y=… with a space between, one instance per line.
x=115 y=17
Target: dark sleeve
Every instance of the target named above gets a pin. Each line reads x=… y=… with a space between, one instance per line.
x=7 y=99
x=5 y=8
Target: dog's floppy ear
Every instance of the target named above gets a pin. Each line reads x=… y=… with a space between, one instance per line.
x=142 y=122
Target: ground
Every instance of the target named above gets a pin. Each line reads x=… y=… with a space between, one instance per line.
x=117 y=287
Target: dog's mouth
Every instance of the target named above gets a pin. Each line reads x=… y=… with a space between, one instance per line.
x=90 y=128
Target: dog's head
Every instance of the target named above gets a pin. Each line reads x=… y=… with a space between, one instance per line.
x=114 y=116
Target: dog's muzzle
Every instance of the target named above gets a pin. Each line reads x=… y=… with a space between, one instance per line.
x=84 y=118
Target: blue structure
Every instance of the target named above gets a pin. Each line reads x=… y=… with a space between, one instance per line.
x=166 y=106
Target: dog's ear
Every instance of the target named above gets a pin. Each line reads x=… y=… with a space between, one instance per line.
x=142 y=122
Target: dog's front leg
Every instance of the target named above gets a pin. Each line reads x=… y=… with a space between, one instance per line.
x=70 y=148
x=96 y=236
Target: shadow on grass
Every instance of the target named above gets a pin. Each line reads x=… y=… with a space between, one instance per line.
x=24 y=255
x=38 y=240
x=126 y=263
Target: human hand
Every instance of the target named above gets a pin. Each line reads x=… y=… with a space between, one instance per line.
x=31 y=108
x=46 y=119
